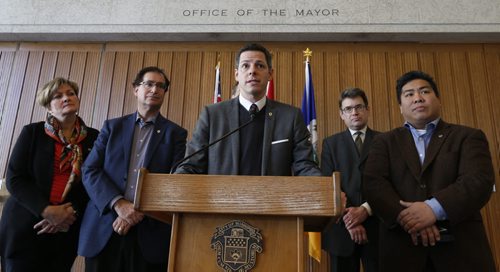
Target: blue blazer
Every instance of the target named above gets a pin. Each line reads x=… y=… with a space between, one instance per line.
x=105 y=177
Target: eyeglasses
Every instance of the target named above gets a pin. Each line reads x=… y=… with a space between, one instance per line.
x=150 y=84
x=358 y=108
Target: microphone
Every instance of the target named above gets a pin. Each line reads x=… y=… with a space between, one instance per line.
x=253 y=112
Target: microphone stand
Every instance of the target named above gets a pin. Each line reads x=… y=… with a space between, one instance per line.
x=252 y=111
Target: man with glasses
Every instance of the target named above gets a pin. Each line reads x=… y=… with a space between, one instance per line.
x=428 y=181
x=114 y=236
x=354 y=236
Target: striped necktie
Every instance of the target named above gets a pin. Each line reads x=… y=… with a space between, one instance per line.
x=358 y=141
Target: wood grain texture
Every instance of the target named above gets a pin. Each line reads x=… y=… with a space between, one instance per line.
x=467 y=75
x=281 y=243
x=254 y=195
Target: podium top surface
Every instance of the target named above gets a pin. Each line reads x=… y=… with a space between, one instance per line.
x=304 y=196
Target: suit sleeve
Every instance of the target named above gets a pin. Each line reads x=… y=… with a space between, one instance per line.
x=20 y=182
x=473 y=187
x=376 y=187
x=99 y=186
x=327 y=163
x=303 y=157
x=198 y=164
x=180 y=144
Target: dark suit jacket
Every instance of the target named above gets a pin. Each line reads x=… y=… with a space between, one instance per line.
x=457 y=171
x=29 y=181
x=340 y=154
x=105 y=176
x=286 y=147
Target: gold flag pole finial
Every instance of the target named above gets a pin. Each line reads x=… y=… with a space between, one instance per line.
x=307 y=53
x=218 y=60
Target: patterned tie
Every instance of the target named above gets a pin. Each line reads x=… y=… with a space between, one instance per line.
x=253 y=111
x=358 y=142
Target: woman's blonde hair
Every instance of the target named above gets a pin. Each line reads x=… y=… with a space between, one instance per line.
x=46 y=93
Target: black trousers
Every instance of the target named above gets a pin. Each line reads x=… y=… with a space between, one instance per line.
x=362 y=253
x=47 y=252
x=122 y=254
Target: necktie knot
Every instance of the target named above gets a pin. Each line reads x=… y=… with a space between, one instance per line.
x=253 y=110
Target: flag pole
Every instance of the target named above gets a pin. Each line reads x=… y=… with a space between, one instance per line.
x=217 y=89
x=309 y=112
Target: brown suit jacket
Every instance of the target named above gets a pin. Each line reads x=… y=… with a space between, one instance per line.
x=457 y=171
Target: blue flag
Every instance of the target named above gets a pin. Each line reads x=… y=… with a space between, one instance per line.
x=309 y=109
x=309 y=113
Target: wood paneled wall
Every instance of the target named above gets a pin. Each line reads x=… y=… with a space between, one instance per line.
x=468 y=76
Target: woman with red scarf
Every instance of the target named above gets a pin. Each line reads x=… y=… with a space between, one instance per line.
x=41 y=219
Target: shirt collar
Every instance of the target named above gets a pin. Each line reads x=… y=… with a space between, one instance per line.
x=362 y=130
x=142 y=122
x=246 y=103
x=429 y=126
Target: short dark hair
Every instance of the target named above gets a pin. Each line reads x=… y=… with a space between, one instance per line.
x=140 y=76
x=255 y=47
x=412 y=75
x=352 y=93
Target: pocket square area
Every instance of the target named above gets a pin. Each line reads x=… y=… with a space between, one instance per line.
x=279 y=141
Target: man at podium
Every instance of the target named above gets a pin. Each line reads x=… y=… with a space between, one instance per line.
x=267 y=138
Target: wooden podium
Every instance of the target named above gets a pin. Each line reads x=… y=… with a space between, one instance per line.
x=198 y=206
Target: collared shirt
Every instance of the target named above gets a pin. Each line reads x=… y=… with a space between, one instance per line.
x=246 y=103
x=422 y=138
x=142 y=134
x=143 y=130
x=363 y=134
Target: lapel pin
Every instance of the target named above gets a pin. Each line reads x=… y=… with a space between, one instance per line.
x=158 y=131
x=440 y=136
x=270 y=114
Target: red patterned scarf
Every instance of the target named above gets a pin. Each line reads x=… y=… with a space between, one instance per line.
x=71 y=155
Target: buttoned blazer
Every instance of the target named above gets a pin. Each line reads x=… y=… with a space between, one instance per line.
x=339 y=154
x=105 y=176
x=286 y=150
x=30 y=174
x=457 y=171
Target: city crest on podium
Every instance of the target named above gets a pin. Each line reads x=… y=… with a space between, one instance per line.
x=237 y=244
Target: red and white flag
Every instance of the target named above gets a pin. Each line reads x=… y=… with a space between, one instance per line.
x=270 y=89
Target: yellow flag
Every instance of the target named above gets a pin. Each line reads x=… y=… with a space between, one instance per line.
x=315 y=245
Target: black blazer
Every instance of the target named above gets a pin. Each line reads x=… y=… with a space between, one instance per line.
x=29 y=181
x=339 y=154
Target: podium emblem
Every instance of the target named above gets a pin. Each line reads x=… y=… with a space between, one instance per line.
x=236 y=245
